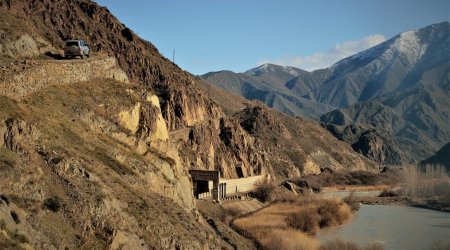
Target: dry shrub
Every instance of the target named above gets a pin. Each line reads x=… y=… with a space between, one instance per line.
x=269 y=229
x=304 y=220
x=352 y=202
x=264 y=190
x=440 y=245
x=273 y=227
x=317 y=213
x=432 y=181
x=332 y=213
x=284 y=197
x=289 y=240
x=339 y=244
x=388 y=193
x=53 y=203
x=231 y=213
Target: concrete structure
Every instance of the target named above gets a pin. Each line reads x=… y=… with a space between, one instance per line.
x=207 y=183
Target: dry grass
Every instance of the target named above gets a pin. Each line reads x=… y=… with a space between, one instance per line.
x=288 y=239
x=288 y=225
x=304 y=220
x=347 y=245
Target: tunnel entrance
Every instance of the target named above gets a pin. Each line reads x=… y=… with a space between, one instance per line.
x=206 y=183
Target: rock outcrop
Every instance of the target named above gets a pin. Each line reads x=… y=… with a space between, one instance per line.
x=17 y=39
x=379 y=148
x=370 y=142
x=297 y=146
x=223 y=145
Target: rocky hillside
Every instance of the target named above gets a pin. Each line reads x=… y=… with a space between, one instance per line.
x=88 y=165
x=49 y=23
x=298 y=146
x=373 y=143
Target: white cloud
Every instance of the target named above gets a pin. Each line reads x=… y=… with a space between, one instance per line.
x=320 y=60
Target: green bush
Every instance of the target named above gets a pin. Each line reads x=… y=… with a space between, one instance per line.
x=53 y=203
x=15 y=217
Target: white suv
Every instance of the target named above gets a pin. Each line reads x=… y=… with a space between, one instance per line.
x=75 y=48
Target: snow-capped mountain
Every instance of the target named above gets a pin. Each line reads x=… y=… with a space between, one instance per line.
x=401 y=86
x=391 y=66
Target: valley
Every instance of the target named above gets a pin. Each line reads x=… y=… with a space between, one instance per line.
x=127 y=150
x=391 y=101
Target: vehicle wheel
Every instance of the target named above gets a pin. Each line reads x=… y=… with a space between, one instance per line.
x=82 y=56
x=88 y=55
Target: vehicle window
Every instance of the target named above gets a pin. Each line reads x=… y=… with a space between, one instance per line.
x=71 y=44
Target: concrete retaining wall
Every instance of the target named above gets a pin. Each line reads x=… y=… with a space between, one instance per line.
x=241 y=185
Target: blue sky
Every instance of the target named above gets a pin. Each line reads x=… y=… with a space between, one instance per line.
x=212 y=35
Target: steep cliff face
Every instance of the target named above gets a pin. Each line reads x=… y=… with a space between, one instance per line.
x=223 y=145
x=56 y=21
x=297 y=146
x=379 y=148
x=370 y=142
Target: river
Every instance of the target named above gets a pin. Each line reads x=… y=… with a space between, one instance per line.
x=395 y=227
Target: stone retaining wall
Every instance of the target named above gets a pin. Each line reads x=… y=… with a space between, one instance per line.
x=22 y=78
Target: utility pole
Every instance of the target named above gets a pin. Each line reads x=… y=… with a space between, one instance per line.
x=173 y=56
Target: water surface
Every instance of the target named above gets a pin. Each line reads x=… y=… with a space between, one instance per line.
x=395 y=227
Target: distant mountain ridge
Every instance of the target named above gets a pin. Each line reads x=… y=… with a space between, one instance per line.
x=400 y=87
x=267 y=84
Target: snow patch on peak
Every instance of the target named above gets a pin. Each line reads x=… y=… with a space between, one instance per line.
x=264 y=66
x=258 y=70
x=271 y=68
x=290 y=70
x=408 y=44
